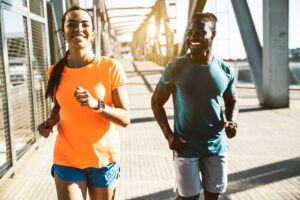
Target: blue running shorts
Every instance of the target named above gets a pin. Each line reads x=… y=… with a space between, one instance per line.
x=99 y=177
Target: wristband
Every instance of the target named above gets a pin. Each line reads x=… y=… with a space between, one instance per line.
x=231 y=122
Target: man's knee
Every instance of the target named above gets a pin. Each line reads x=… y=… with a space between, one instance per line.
x=188 y=198
x=211 y=196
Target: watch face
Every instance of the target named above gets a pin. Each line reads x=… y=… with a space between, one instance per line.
x=102 y=104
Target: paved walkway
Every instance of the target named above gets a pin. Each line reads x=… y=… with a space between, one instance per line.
x=264 y=162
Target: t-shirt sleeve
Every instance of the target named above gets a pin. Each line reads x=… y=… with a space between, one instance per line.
x=166 y=82
x=50 y=71
x=231 y=88
x=117 y=75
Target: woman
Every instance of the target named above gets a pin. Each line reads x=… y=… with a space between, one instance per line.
x=89 y=92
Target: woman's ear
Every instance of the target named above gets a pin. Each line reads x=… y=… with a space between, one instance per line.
x=63 y=35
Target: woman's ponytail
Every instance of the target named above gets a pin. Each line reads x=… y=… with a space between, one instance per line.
x=55 y=77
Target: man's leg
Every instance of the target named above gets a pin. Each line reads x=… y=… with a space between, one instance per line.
x=214 y=176
x=211 y=196
x=188 y=198
x=187 y=184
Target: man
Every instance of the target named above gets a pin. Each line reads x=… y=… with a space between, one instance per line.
x=198 y=81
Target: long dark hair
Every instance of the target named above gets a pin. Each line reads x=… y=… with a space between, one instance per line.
x=55 y=77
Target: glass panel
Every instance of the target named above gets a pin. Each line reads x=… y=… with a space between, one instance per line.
x=294 y=43
x=5 y=156
x=18 y=2
x=19 y=73
x=40 y=69
x=37 y=7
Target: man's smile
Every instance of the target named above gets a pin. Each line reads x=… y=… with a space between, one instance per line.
x=195 y=44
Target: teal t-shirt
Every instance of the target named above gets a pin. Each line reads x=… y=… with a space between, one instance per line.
x=197 y=92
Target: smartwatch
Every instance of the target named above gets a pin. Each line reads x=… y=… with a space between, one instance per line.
x=101 y=106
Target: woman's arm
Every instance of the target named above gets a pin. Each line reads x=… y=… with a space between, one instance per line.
x=118 y=114
x=45 y=128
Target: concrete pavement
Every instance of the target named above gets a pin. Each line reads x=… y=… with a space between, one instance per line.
x=264 y=158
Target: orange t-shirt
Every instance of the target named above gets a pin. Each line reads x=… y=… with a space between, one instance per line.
x=85 y=138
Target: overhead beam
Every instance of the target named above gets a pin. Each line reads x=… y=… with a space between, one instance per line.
x=157 y=18
x=125 y=31
x=251 y=42
x=168 y=32
x=124 y=25
x=275 y=54
x=121 y=16
x=126 y=28
x=149 y=15
x=196 y=6
x=131 y=20
x=128 y=19
x=129 y=8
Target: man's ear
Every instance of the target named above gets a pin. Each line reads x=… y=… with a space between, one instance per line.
x=213 y=35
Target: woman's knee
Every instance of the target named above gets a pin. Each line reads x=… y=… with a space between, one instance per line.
x=70 y=190
x=102 y=193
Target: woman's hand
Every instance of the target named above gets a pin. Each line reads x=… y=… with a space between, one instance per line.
x=45 y=128
x=85 y=98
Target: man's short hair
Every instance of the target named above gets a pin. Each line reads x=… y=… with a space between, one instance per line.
x=205 y=16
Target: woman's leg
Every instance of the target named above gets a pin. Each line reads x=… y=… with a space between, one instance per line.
x=103 y=193
x=70 y=190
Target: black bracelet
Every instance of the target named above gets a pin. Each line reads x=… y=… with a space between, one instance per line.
x=233 y=123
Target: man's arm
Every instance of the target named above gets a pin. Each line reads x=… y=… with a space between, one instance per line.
x=157 y=101
x=231 y=113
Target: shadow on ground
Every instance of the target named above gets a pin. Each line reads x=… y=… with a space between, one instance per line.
x=245 y=180
x=146 y=119
x=242 y=110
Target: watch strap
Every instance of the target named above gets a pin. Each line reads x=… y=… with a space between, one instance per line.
x=100 y=106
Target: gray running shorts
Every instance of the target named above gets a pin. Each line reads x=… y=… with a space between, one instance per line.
x=213 y=172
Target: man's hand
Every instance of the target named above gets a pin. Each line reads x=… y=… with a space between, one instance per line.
x=85 y=98
x=175 y=141
x=230 y=129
